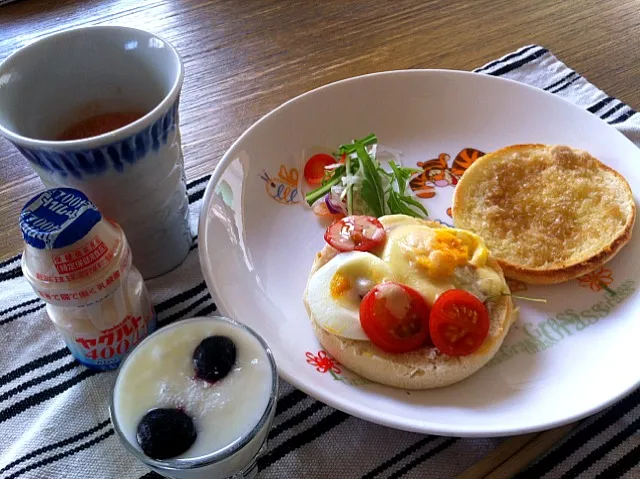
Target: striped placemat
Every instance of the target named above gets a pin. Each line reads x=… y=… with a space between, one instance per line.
x=54 y=413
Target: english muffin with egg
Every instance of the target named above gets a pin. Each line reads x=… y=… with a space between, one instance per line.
x=548 y=213
x=406 y=302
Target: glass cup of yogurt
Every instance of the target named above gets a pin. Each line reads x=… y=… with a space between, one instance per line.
x=196 y=399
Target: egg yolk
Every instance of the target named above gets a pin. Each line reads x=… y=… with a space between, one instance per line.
x=447 y=252
x=339 y=285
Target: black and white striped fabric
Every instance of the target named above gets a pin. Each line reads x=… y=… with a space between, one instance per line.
x=54 y=413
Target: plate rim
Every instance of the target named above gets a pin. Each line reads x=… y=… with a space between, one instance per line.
x=395 y=421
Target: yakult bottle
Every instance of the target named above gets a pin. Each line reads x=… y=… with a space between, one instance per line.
x=79 y=263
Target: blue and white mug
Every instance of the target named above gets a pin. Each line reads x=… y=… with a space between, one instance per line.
x=133 y=174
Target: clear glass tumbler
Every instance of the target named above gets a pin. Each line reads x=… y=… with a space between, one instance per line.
x=235 y=459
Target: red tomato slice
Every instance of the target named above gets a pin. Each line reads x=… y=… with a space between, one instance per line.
x=459 y=323
x=314 y=168
x=395 y=317
x=360 y=233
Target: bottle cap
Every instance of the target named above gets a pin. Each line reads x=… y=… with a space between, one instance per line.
x=57 y=218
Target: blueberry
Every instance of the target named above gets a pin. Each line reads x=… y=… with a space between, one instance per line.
x=164 y=433
x=214 y=357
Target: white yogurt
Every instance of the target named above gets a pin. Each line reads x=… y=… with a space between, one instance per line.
x=159 y=373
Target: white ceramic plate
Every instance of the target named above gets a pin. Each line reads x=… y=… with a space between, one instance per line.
x=561 y=361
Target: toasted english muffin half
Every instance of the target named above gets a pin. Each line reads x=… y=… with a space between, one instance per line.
x=547 y=213
x=424 y=368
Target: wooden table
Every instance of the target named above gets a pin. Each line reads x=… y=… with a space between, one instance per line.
x=245 y=57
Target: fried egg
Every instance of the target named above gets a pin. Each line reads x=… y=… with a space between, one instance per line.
x=335 y=291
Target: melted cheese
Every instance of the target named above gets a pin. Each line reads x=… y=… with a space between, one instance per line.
x=429 y=259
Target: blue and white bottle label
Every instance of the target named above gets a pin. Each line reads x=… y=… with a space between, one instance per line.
x=107 y=350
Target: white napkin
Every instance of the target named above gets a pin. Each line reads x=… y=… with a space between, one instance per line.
x=54 y=419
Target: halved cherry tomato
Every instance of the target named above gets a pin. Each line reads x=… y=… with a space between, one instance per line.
x=459 y=323
x=360 y=233
x=395 y=317
x=314 y=168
